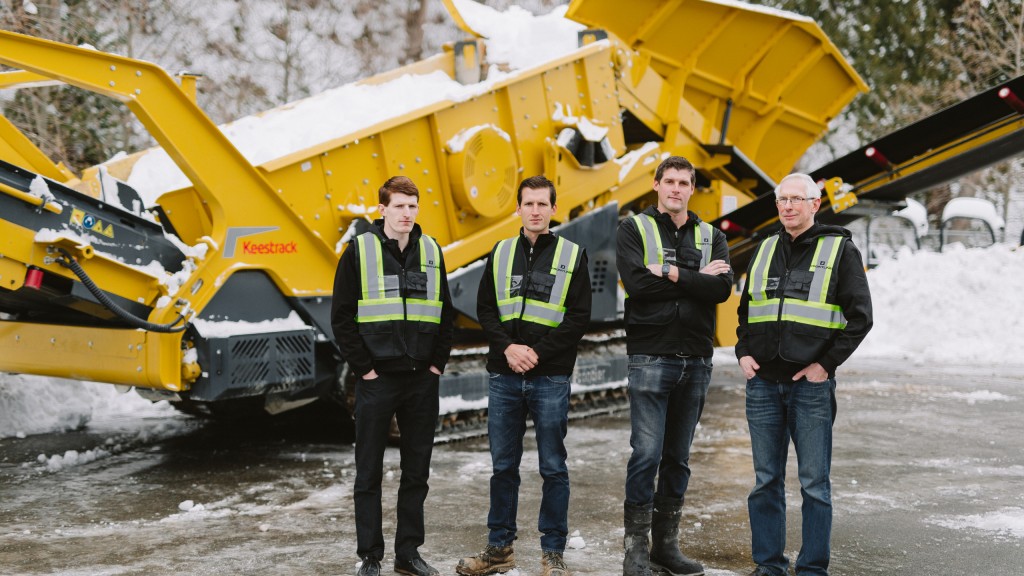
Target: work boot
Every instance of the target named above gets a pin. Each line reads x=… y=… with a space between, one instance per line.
x=665 y=554
x=493 y=560
x=414 y=566
x=637 y=521
x=370 y=567
x=553 y=564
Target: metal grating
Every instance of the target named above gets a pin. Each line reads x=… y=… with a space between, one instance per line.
x=258 y=360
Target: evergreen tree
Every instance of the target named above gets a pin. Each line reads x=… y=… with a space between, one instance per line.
x=890 y=45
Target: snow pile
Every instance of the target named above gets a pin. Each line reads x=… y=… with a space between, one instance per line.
x=576 y=542
x=38 y=404
x=190 y=505
x=959 y=306
x=38 y=187
x=71 y=458
x=41 y=404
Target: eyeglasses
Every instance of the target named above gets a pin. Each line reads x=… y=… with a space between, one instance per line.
x=795 y=201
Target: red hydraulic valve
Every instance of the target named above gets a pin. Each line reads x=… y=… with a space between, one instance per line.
x=34 y=278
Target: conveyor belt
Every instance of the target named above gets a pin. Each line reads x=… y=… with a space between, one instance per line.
x=911 y=152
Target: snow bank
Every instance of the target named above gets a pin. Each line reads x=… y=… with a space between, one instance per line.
x=959 y=306
x=37 y=404
x=40 y=404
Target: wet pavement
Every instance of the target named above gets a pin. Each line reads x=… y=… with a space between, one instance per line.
x=927 y=479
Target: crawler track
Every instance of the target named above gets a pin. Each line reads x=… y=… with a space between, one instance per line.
x=598 y=386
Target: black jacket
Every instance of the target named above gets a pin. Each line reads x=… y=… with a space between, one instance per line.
x=848 y=289
x=662 y=316
x=556 y=347
x=423 y=345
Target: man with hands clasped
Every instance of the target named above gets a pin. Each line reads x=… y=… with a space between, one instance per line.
x=534 y=307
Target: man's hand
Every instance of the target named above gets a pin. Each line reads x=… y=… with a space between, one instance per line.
x=371 y=375
x=521 y=358
x=435 y=370
x=813 y=373
x=716 y=267
x=748 y=365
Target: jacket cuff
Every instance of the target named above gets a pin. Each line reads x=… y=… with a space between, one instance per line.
x=829 y=365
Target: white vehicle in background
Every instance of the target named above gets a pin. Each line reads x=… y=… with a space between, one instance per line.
x=972 y=222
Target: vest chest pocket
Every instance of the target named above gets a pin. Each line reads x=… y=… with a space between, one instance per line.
x=416 y=284
x=540 y=286
x=798 y=285
x=688 y=258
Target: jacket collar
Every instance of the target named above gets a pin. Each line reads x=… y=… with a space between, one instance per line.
x=378 y=229
x=543 y=240
x=814 y=232
x=665 y=218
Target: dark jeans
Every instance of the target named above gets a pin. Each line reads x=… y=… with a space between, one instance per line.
x=511 y=398
x=803 y=412
x=412 y=397
x=666 y=399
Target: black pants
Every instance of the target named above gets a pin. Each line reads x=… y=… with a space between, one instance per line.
x=412 y=398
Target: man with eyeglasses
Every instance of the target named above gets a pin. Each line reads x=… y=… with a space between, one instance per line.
x=675 y=270
x=805 y=309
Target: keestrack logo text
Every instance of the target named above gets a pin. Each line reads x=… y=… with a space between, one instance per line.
x=269 y=248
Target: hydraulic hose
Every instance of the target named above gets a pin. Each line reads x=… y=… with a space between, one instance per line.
x=69 y=262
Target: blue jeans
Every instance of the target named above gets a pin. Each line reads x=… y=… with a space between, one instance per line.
x=511 y=398
x=804 y=412
x=666 y=399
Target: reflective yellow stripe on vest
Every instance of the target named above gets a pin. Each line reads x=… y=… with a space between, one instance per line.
x=550 y=313
x=702 y=240
x=509 y=307
x=381 y=299
x=814 y=311
x=703 y=234
x=653 y=253
x=428 y=309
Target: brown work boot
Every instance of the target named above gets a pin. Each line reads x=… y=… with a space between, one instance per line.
x=493 y=560
x=553 y=564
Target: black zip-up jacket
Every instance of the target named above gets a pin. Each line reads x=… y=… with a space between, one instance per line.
x=665 y=317
x=555 y=347
x=424 y=346
x=850 y=293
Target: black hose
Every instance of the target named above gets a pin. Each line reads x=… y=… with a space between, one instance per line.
x=69 y=262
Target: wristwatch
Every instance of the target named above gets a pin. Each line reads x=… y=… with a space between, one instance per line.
x=665 y=269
